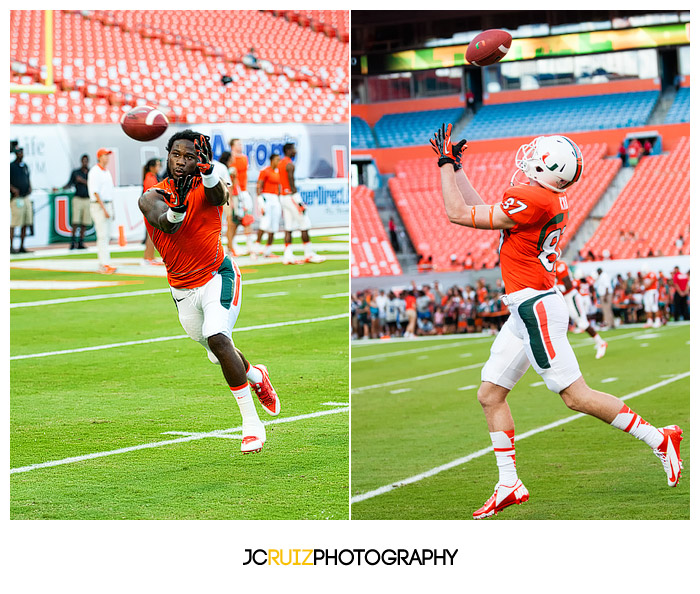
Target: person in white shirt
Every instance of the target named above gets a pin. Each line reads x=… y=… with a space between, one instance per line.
x=604 y=288
x=101 y=190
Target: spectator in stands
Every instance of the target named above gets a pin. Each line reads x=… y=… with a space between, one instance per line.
x=604 y=290
x=471 y=103
x=681 y=291
x=622 y=153
x=392 y=235
x=439 y=320
x=634 y=152
x=101 y=190
x=80 y=203
x=679 y=244
x=425 y=264
x=468 y=263
x=251 y=59
x=392 y=314
x=150 y=179
x=21 y=210
x=646 y=151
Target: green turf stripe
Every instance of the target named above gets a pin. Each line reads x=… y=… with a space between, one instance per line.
x=527 y=312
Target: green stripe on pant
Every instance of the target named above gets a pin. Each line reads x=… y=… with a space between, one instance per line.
x=228 y=278
x=527 y=312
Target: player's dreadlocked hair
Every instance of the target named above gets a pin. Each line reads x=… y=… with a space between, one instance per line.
x=184 y=135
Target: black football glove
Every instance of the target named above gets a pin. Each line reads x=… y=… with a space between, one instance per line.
x=458 y=151
x=175 y=192
x=442 y=145
x=204 y=155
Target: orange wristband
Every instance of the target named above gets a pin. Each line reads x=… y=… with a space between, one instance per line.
x=473 y=217
x=491 y=216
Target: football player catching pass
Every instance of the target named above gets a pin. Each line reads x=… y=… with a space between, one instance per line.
x=531 y=218
x=183 y=218
x=577 y=311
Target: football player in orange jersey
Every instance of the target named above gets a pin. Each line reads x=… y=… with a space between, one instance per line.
x=268 y=189
x=245 y=202
x=293 y=210
x=531 y=218
x=650 y=298
x=183 y=218
x=577 y=311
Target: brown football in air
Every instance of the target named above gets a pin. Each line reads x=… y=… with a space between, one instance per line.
x=144 y=123
x=488 y=47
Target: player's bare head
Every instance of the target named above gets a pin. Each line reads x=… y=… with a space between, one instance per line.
x=553 y=162
x=84 y=160
x=182 y=156
x=274 y=160
x=236 y=146
x=289 y=149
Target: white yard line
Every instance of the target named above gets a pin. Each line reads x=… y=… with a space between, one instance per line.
x=484 y=451
x=254 y=281
x=415 y=378
x=406 y=352
x=177 y=337
x=186 y=438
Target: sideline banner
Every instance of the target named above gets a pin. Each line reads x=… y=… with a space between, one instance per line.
x=61 y=212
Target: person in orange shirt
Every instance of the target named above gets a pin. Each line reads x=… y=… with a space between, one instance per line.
x=293 y=210
x=650 y=299
x=183 y=218
x=243 y=201
x=268 y=189
x=531 y=219
x=150 y=179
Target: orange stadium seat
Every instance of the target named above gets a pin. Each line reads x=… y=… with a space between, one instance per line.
x=133 y=57
x=417 y=195
x=371 y=254
x=652 y=211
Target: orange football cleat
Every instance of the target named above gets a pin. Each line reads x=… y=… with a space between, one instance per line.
x=669 y=452
x=266 y=393
x=502 y=497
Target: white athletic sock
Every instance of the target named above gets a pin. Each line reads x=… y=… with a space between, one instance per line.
x=598 y=340
x=249 y=242
x=244 y=399
x=504 y=448
x=254 y=375
x=288 y=251
x=630 y=422
x=308 y=249
x=268 y=250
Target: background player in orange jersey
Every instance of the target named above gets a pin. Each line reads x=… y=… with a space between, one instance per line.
x=293 y=209
x=531 y=218
x=244 y=200
x=577 y=311
x=269 y=203
x=650 y=298
x=183 y=217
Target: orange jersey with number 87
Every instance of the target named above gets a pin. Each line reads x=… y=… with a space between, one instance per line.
x=529 y=250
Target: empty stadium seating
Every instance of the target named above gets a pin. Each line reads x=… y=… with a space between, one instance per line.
x=418 y=198
x=107 y=61
x=417 y=127
x=654 y=205
x=371 y=254
x=554 y=116
x=680 y=109
x=360 y=133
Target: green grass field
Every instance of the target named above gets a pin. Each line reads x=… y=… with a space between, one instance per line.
x=405 y=425
x=160 y=401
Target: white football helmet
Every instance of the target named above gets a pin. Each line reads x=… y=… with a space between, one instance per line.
x=554 y=162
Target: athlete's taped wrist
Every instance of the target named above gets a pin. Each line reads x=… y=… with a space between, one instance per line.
x=210 y=180
x=175 y=217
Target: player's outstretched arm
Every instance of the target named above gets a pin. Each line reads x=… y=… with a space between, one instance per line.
x=478 y=216
x=155 y=210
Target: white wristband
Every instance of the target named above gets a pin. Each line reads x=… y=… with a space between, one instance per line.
x=210 y=180
x=175 y=217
